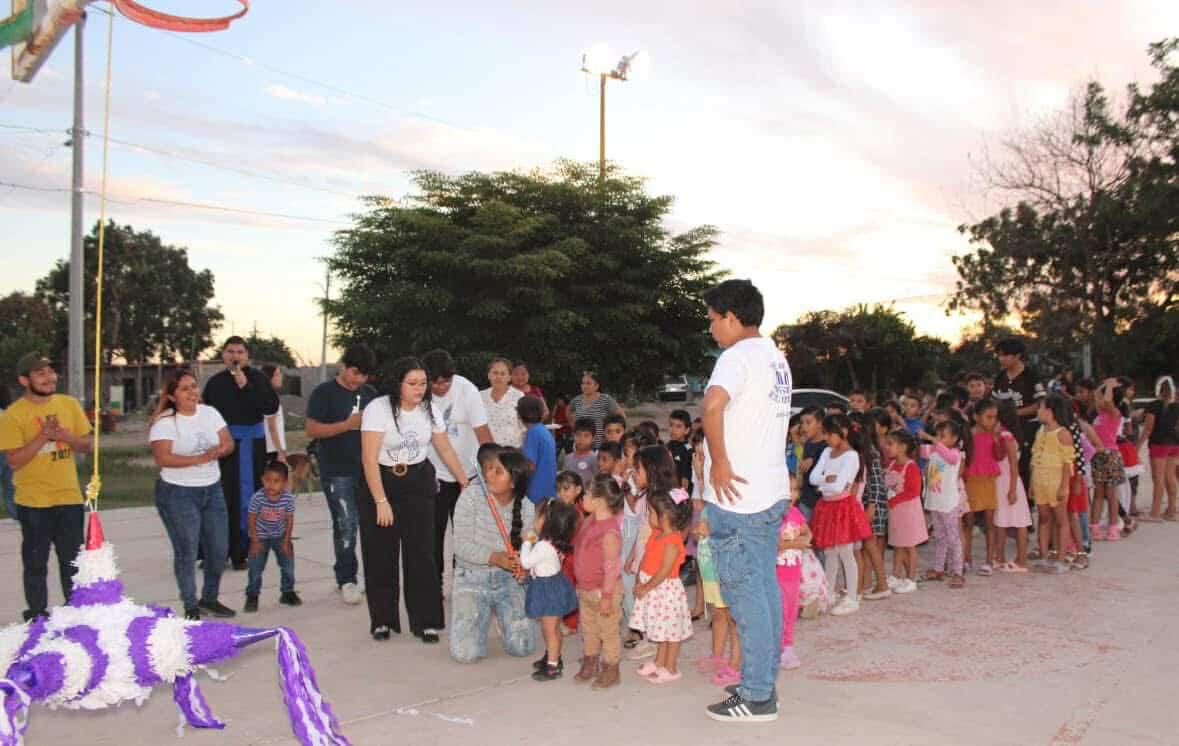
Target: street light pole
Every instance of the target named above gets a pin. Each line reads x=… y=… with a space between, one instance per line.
x=602 y=128
x=593 y=63
x=75 y=347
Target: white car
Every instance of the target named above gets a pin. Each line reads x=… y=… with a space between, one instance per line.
x=800 y=399
x=675 y=387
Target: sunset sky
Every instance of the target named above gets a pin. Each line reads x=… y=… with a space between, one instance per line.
x=830 y=142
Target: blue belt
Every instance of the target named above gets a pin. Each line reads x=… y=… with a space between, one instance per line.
x=246 y=435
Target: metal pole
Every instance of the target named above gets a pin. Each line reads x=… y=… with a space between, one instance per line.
x=327 y=292
x=76 y=349
x=602 y=130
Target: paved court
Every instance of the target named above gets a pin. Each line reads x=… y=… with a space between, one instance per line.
x=1085 y=658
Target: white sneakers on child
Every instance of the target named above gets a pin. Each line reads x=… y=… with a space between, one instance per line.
x=901 y=585
x=350 y=592
x=849 y=604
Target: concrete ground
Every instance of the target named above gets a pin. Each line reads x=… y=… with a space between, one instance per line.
x=1084 y=658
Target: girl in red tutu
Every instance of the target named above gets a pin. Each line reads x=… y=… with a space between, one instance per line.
x=839 y=521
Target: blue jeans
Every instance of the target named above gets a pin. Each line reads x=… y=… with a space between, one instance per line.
x=257 y=564
x=477 y=592
x=746 y=551
x=340 y=493
x=59 y=527
x=195 y=516
x=7 y=487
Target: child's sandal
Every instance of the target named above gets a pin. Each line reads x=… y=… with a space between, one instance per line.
x=957 y=581
x=1034 y=554
x=1080 y=562
x=935 y=576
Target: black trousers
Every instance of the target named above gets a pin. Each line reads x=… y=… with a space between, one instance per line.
x=59 y=527
x=448 y=495
x=382 y=549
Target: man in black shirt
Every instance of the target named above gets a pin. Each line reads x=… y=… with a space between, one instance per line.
x=1016 y=383
x=244 y=397
x=333 y=420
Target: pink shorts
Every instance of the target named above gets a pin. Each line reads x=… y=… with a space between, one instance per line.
x=1164 y=451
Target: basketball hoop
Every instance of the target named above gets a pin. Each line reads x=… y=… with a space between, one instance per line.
x=155 y=19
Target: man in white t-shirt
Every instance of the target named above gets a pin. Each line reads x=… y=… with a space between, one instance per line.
x=466 y=425
x=746 y=415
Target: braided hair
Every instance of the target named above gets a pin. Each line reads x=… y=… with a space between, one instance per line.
x=519 y=468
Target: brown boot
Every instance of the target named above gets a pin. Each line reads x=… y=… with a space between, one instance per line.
x=589 y=668
x=607 y=676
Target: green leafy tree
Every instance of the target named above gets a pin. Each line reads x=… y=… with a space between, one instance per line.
x=271 y=350
x=26 y=325
x=1088 y=245
x=552 y=266
x=154 y=304
x=872 y=348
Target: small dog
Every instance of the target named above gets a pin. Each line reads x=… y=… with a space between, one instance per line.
x=300 y=472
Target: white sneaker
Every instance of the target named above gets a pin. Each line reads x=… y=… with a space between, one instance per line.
x=350 y=592
x=849 y=605
x=905 y=586
x=876 y=596
x=893 y=581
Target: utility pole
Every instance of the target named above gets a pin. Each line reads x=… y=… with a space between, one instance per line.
x=76 y=348
x=327 y=292
x=602 y=128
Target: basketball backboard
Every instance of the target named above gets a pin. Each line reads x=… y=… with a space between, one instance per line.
x=45 y=22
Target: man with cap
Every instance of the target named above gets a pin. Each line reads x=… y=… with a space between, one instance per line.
x=40 y=433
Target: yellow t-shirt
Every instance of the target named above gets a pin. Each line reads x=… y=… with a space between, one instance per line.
x=50 y=478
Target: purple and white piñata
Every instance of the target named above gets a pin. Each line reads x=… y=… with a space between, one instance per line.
x=102 y=649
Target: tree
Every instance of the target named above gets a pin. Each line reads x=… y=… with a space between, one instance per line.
x=1088 y=244
x=553 y=267
x=872 y=348
x=154 y=304
x=271 y=350
x=26 y=325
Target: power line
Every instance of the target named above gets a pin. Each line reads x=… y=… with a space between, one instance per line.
x=182 y=203
x=260 y=65
x=165 y=153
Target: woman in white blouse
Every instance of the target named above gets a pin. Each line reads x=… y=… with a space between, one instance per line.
x=187 y=438
x=396 y=510
x=500 y=401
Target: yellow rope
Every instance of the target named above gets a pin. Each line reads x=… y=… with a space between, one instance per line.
x=95 y=485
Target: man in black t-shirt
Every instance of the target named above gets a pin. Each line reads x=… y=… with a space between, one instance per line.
x=1016 y=383
x=333 y=420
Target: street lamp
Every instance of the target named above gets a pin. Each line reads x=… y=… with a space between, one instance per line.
x=597 y=61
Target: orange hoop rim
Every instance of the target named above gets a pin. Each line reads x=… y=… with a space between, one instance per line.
x=167 y=22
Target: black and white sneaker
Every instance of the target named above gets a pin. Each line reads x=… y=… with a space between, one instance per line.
x=731 y=690
x=736 y=710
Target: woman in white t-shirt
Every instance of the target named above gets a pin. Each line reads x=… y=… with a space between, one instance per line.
x=396 y=509
x=187 y=438
x=500 y=402
x=276 y=424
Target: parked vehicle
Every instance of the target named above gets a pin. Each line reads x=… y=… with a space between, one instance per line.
x=675 y=388
x=800 y=399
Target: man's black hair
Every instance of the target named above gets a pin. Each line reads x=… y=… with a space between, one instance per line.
x=361 y=357
x=439 y=364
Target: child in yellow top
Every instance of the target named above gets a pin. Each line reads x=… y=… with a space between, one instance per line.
x=1052 y=468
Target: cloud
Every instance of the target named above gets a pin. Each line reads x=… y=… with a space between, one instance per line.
x=284 y=93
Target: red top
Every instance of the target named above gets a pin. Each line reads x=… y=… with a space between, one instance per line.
x=653 y=554
x=910 y=483
x=594 y=567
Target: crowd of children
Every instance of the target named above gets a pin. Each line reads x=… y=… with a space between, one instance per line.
x=606 y=553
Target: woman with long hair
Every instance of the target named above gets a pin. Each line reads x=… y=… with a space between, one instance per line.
x=488 y=523
x=397 y=509
x=1161 y=432
x=187 y=438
